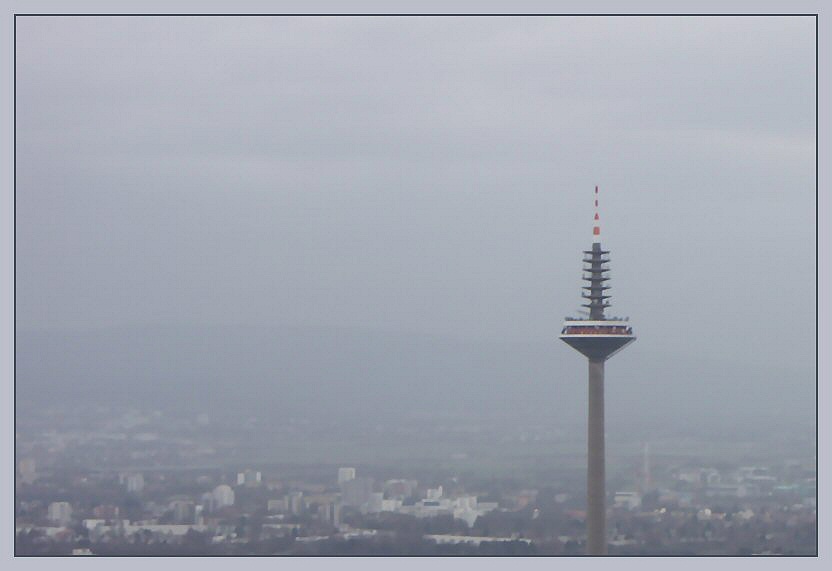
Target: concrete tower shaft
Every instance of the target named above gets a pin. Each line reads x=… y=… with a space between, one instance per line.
x=596 y=488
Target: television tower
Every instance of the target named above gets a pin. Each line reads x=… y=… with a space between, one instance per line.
x=598 y=338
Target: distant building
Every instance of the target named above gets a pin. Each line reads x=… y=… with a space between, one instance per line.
x=391 y=505
x=627 y=500
x=106 y=512
x=277 y=506
x=466 y=502
x=521 y=499
x=223 y=496
x=699 y=477
x=135 y=483
x=467 y=509
x=199 y=518
x=336 y=514
x=689 y=475
x=711 y=477
x=400 y=488
x=294 y=502
x=727 y=490
x=183 y=511
x=345 y=475
x=325 y=512
x=207 y=502
x=355 y=493
x=60 y=513
x=249 y=478
x=27 y=471
x=374 y=503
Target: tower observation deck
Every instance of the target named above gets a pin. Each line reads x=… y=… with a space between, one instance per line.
x=598 y=338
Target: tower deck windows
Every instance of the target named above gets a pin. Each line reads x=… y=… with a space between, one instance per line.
x=597 y=330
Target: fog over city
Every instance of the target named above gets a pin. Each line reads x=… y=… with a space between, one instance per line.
x=376 y=213
x=380 y=219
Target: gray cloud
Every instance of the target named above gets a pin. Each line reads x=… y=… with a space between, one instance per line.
x=432 y=176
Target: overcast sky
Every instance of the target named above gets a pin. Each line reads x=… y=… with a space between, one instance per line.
x=428 y=175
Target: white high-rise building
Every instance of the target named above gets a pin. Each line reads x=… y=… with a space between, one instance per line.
x=223 y=496
x=345 y=475
x=60 y=513
x=294 y=502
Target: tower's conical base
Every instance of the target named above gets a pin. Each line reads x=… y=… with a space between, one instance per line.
x=598 y=347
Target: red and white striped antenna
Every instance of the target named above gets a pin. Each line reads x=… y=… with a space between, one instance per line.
x=596 y=230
